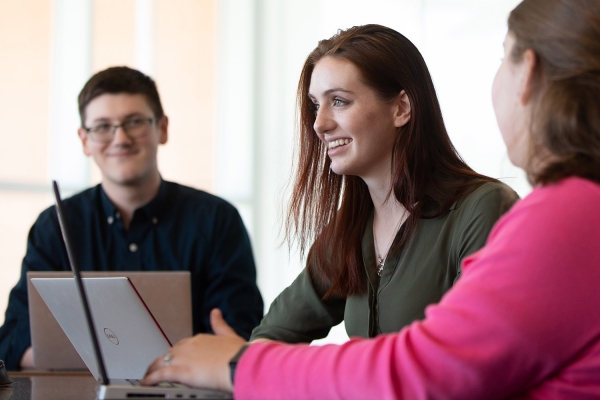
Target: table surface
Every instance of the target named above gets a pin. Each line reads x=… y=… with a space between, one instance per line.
x=50 y=386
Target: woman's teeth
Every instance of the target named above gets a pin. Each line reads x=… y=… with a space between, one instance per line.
x=339 y=142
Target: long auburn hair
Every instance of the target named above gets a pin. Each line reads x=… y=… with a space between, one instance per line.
x=427 y=172
x=565 y=125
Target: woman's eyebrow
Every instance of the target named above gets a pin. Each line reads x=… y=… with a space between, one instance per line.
x=329 y=91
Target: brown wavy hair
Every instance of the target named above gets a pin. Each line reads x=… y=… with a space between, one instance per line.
x=427 y=172
x=565 y=126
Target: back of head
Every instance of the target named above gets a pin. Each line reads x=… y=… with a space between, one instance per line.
x=116 y=80
x=565 y=126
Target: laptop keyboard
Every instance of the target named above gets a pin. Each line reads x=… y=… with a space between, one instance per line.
x=135 y=382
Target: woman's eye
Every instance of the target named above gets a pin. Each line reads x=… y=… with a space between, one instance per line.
x=338 y=102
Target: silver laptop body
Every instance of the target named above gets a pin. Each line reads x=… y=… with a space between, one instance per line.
x=53 y=350
x=130 y=338
x=119 y=389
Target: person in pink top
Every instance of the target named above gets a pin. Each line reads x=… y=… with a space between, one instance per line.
x=523 y=321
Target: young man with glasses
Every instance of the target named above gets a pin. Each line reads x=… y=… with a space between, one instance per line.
x=135 y=220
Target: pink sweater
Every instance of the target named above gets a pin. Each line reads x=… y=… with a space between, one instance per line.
x=522 y=322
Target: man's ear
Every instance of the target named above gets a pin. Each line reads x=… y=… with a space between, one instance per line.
x=84 y=141
x=527 y=70
x=163 y=128
x=401 y=109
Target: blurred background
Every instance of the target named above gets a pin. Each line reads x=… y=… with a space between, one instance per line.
x=227 y=72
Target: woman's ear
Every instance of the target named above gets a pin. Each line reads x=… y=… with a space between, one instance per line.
x=526 y=79
x=401 y=109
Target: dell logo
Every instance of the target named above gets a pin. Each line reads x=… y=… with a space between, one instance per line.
x=111 y=336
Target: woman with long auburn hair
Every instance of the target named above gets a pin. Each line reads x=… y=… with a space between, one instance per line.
x=381 y=196
x=522 y=322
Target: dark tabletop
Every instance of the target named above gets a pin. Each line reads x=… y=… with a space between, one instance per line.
x=54 y=386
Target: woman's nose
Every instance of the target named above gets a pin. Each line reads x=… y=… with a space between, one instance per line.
x=323 y=121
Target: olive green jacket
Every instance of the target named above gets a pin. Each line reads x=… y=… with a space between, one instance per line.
x=416 y=275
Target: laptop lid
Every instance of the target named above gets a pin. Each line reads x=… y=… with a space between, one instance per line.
x=53 y=350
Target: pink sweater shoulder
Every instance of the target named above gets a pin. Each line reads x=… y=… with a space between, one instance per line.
x=522 y=322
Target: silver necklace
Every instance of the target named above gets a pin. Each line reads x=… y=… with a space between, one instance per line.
x=381 y=260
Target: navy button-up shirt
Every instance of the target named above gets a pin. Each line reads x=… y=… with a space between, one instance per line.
x=180 y=229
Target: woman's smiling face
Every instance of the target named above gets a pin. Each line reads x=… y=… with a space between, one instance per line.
x=358 y=128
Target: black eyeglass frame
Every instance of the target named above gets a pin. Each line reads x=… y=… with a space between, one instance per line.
x=123 y=125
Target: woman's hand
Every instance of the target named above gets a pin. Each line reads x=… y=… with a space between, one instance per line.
x=202 y=360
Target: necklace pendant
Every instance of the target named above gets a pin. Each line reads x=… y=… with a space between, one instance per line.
x=380 y=265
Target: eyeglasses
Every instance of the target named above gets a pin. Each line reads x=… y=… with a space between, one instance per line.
x=135 y=128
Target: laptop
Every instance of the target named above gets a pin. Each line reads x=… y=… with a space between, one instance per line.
x=118 y=388
x=130 y=338
x=52 y=350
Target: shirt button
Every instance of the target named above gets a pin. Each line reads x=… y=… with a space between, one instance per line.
x=133 y=247
x=110 y=220
x=154 y=220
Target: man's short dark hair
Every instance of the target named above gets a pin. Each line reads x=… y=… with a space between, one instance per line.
x=116 y=80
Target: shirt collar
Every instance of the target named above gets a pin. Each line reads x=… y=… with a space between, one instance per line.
x=153 y=209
